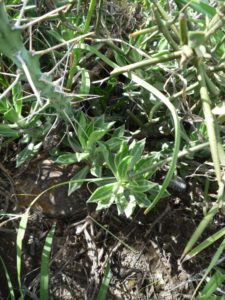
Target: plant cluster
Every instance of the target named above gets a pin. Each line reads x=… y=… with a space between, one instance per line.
x=168 y=82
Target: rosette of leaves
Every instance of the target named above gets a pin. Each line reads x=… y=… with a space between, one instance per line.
x=131 y=187
x=84 y=142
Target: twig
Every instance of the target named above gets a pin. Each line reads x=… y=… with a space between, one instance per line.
x=37 y=20
x=74 y=40
x=10 y=87
x=17 y=24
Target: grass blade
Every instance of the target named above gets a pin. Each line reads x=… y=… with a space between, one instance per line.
x=105 y=284
x=206 y=243
x=201 y=227
x=44 y=280
x=19 y=241
x=10 y=286
x=214 y=282
x=212 y=264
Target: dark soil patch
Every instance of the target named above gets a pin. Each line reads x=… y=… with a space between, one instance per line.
x=143 y=253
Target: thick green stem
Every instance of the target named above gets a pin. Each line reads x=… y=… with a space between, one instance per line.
x=11 y=45
x=163 y=28
x=183 y=29
x=147 y=63
x=144 y=31
x=166 y=18
x=209 y=119
x=216 y=22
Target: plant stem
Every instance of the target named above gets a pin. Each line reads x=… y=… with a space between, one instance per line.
x=209 y=119
x=166 y=18
x=183 y=29
x=163 y=28
x=11 y=45
x=146 y=63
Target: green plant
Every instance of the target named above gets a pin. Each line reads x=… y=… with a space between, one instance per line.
x=10 y=286
x=171 y=71
x=214 y=282
x=127 y=190
x=44 y=272
x=47 y=100
x=84 y=139
x=102 y=294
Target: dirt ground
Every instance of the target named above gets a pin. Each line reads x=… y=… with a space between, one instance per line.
x=143 y=253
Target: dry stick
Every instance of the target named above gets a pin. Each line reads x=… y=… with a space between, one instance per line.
x=10 y=87
x=113 y=235
x=74 y=40
x=44 y=17
x=17 y=24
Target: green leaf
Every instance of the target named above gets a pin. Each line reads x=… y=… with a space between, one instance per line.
x=19 y=244
x=85 y=82
x=108 y=157
x=155 y=190
x=17 y=94
x=11 y=115
x=96 y=136
x=123 y=151
x=28 y=152
x=144 y=163
x=121 y=203
x=4 y=105
x=123 y=168
x=81 y=130
x=7 y=131
x=90 y=128
x=212 y=264
x=132 y=203
x=96 y=170
x=201 y=6
x=10 y=286
x=56 y=35
x=74 y=143
x=67 y=158
x=102 y=193
x=215 y=281
x=114 y=143
x=44 y=273
x=82 y=156
x=99 y=122
x=141 y=185
x=137 y=149
x=141 y=199
x=118 y=132
x=81 y=174
x=206 y=243
x=109 y=125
